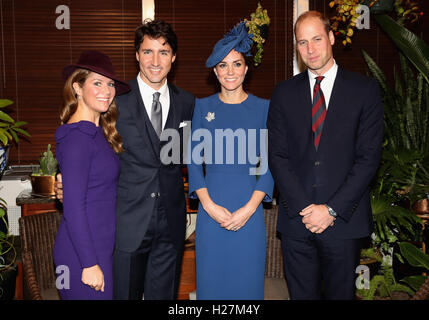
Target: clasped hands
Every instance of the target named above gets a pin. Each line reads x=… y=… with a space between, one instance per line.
x=316 y=218
x=230 y=221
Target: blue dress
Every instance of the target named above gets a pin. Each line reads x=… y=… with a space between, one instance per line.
x=86 y=234
x=230 y=139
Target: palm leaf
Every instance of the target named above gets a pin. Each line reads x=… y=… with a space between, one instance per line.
x=5 y=117
x=5 y=103
x=414 y=48
x=414 y=255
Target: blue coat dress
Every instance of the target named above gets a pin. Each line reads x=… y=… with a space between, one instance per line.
x=230 y=139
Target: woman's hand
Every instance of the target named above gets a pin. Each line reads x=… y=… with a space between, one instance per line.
x=216 y=212
x=219 y=214
x=93 y=277
x=239 y=218
x=242 y=215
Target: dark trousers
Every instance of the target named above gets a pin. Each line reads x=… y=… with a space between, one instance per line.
x=317 y=267
x=153 y=269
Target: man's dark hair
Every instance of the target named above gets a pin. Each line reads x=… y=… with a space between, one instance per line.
x=156 y=29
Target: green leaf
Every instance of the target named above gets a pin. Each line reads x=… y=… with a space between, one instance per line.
x=5 y=117
x=416 y=50
x=20 y=123
x=5 y=103
x=21 y=131
x=3 y=138
x=414 y=282
x=414 y=255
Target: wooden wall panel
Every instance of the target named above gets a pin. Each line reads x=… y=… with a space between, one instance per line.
x=200 y=24
x=34 y=52
x=374 y=41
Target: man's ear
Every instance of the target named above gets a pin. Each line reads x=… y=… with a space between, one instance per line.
x=331 y=37
x=173 y=58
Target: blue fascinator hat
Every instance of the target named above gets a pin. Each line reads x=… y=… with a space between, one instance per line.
x=237 y=38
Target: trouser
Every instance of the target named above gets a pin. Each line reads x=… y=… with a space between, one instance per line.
x=318 y=267
x=153 y=269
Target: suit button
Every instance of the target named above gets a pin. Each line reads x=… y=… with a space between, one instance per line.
x=158 y=194
x=317 y=163
x=153 y=194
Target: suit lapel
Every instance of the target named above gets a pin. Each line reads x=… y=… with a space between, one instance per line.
x=174 y=110
x=332 y=112
x=305 y=110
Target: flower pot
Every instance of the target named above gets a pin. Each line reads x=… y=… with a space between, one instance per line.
x=381 y=6
x=421 y=206
x=43 y=185
x=4 y=157
x=7 y=283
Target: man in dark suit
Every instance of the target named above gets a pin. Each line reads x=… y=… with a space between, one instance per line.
x=151 y=209
x=325 y=130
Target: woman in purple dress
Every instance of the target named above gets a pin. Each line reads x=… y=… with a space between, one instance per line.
x=87 y=147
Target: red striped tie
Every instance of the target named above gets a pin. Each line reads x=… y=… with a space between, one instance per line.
x=318 y=111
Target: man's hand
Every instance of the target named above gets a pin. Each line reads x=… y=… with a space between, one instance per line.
x=316 y=218
x=58 y=187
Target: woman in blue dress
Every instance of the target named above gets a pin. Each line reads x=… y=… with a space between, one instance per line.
x=229 y=137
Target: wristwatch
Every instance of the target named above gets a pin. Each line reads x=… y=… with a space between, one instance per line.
x=331 y=211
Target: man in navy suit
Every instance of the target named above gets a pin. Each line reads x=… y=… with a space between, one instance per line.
x=325 y=129
x=151 y=209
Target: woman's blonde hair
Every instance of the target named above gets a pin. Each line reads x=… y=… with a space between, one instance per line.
x=107 y=119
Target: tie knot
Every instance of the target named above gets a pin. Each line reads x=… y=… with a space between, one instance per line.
x=319 y=79
x=156 y=96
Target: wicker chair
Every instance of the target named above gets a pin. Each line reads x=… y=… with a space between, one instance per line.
x=274 y=262
x=37 y=233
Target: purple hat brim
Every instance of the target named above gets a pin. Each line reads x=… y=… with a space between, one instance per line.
x=120 y=86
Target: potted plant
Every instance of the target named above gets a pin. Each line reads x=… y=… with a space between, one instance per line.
x=43 y=180
x=406 y=152
x=10 y=130
x=416 y=258
x=346 y=17
x=8 y=270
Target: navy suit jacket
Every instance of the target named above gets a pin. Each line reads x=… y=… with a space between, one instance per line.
x=340 y=171
x=143 y=175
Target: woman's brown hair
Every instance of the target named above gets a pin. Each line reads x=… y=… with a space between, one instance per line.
x=107 y=119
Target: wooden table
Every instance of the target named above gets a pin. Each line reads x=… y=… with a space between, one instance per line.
x=32 y=204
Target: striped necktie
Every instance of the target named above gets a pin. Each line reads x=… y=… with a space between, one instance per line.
x=318 y=112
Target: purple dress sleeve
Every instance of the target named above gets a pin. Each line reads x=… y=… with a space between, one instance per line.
x=75 y=160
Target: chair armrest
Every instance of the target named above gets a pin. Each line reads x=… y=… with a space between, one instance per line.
x=30 y=279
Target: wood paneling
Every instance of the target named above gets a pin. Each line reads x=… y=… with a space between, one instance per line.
x=200 y=24
x=374 y=41
x=34 y=52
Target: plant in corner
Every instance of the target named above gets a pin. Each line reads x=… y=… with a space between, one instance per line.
x=8 y=269
x=43 y=180
x=10 y=130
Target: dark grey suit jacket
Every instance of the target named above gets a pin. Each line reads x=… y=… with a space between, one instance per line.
x=143 y=175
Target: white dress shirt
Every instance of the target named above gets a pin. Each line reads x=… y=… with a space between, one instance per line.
x=147 y=94
x=327 y=83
